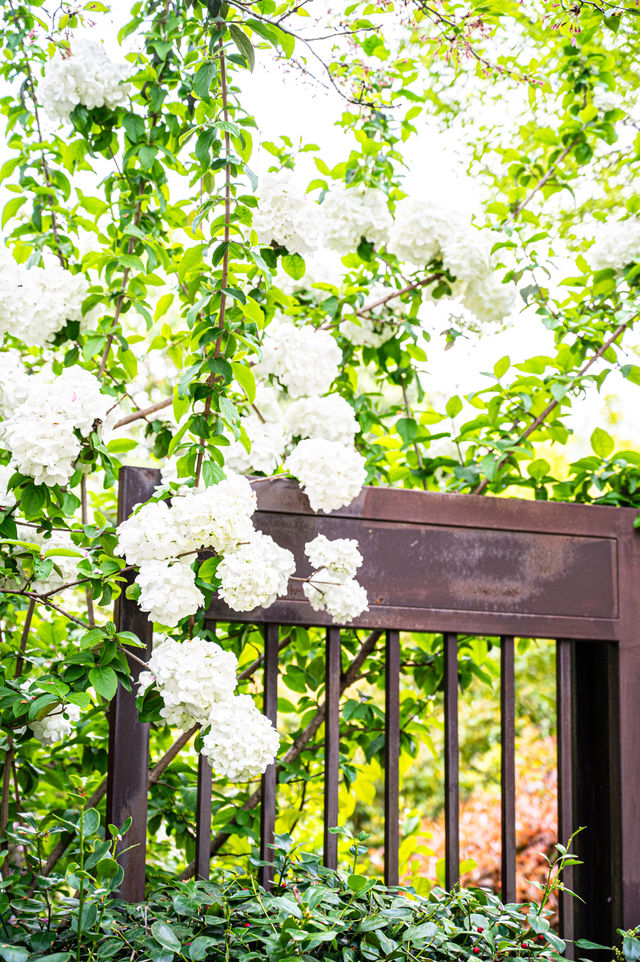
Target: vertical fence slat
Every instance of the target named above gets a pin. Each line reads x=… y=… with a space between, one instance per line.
x=451 y=762
x=392 y=758
x=508 y=768
x=564 y=702
x=331 y=746
x=128 y=766
x=203 y=819
x=268 y=802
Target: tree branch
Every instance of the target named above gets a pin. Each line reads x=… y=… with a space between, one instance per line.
x=554 y=404
x=143 y=413
x=303 y=739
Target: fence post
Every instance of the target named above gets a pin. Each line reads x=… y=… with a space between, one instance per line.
x=128 y=766
x=596 y=790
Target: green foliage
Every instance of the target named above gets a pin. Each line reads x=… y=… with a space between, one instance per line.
x=310 y=913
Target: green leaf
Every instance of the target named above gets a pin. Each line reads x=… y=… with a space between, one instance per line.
x=13 y=953
x=105 y=681
x=90 y=821
x=198 y=948
x=407 y=429
x=243 y=44
x=107 y=867
x=11 y=208
x=244 y=376
x=167 y=939
x=357 y=882
x=501 y=367
x=203 y=79
x=32 y=500
x=426 y=930
x=602 y=443
x=454 y=406
x=294 y=266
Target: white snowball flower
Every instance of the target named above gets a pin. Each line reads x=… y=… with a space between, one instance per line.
x=366 y=331
x=254 y=574
x=617 y=244
x=331 y=474
x=150 y=535
x=168 y=591
x=341 y=556
x=420 y=228
x=351 y=213
x=285 y=215
x=344 y=599
x=191 y=677
x=268 y=442
x=218 y=517
x=269 y=402
x=43 y=447
x=57 y=725
x=36 y=302
x=303 y=359
x=7 y=498
x=605 y=100
x=84 y=74
x=241 y=742
x=466 y=253
x=330 y=417
x=489 y=299
x=14 y=382
x=42 y=432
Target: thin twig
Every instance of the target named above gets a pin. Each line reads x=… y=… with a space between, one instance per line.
x=88 y=593
x=24 y=637
x=554 y=404
x=543 y=180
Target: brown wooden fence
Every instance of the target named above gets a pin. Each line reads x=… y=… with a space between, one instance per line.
x=454 y=564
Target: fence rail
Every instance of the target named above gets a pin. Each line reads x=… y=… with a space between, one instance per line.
x=452 y=564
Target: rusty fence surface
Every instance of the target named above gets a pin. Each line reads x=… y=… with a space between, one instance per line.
x=453 y=564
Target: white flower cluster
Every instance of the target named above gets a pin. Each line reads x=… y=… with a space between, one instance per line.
x=7 y=498
x=255 y=573
x=284 y=216
x=304 y=360
x=168 y=591
x=353 y=213
x=617 y=244
x=241 y=741
x=162 y=540
x=424 y=231
x=332 y=587
x=191 y=678
x=330 y=474
x=55 y=726
x=196 y=681
x=420 y=232
x=85 y=75
x=36 y=302
x=330 y=418
x=47 y=416
x=366 y=331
